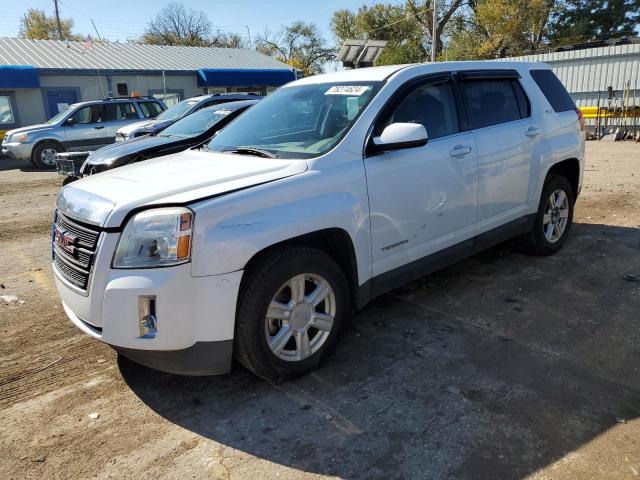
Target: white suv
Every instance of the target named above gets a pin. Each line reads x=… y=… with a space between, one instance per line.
x=332 y=190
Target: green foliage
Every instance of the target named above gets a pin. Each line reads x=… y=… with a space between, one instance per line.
x=579 y=21
x=300 y=45
x=37 y=25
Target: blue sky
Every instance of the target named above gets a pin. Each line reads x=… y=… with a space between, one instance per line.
x=119 y=20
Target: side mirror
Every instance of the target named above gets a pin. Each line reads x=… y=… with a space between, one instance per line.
x=69 y=122
x=400 y=135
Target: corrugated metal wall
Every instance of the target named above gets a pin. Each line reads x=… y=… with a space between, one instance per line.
x=589 y=71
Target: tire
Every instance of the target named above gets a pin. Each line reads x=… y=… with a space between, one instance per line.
x=274 y=278
x=43 y=155
x=538 y=241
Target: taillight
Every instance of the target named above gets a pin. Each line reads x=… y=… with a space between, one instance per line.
x=580 y=118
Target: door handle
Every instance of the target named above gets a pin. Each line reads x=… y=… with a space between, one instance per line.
x=460 y=150
x=532 y=132
x=99 y=128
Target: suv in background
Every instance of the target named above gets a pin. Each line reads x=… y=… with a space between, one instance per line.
x=178 y=111
x=82 y=126
x=331 y=191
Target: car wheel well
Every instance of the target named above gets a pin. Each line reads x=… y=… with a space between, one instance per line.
x=570 y=169
x=335 y=242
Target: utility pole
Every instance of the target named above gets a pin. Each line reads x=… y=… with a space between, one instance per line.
x=55 y=2
x=434 y=43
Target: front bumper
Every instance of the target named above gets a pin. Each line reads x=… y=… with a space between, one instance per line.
x=20 y=151
x=195 y=315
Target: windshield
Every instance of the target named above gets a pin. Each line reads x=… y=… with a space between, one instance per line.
x=196 y=123
x=296 y=122
x=177 y=110
x=56 y=118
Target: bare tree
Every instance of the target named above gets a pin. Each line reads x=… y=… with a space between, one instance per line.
x=300 y=45
x=227 y=40
x=423 y=13
x=175 y=25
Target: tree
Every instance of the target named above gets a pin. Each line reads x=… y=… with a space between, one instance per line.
x=175 y=25
x=37 y=25
x=226 y=40
x=501 y=28
x=423 y=13
x=300 y=45
x=578 y=21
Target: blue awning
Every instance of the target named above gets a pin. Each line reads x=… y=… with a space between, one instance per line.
x=223 y=77
x=18 y=76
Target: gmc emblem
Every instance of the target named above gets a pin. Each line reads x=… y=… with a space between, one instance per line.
x=65 y=240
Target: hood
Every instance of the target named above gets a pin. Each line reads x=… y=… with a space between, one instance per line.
x=106 y=198
x=145 y=126
x=120 y=150
x=30 y=128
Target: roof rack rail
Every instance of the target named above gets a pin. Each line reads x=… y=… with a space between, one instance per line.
x=127 y=98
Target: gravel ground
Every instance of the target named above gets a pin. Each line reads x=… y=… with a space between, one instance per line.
x=502 y=367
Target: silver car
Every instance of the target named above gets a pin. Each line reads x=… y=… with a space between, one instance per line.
x=84 y=126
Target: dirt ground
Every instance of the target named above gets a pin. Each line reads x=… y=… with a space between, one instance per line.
x=502 y=367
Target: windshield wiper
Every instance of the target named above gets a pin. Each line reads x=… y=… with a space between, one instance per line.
x=258 y=152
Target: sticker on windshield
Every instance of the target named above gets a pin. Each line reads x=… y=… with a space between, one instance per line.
x=347 y=90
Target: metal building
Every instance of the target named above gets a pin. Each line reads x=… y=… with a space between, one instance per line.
x=39 y=77
x=589 y=69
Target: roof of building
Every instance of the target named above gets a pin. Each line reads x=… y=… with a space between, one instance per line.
x=57 y=54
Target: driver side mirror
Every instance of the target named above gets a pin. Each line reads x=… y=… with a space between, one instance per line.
x=400 y=135
x=70 y=122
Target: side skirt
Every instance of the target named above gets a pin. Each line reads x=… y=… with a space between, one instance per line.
x=437 y=261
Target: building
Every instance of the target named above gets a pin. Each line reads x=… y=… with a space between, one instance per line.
x=40 y=77
x=589 y=69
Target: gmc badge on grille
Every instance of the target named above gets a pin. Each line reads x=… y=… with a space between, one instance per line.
x=65 y=240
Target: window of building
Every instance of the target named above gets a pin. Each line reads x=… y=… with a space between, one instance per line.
x=432 y=105
x=6 y=112
x=123 y=90
x=150 y=109
x=490 y=102
x=169 y=99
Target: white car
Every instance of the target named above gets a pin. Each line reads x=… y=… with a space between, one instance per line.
x=332 y=190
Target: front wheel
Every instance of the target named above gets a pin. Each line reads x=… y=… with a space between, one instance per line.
x=554 y=217
x=290 y=310
x=44 y=154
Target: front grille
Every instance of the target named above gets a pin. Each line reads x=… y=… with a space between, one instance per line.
x=74 y=249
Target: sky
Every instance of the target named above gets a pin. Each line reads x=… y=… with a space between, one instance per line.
x=121 y=20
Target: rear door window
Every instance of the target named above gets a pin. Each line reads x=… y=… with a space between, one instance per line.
x=150 y=109
x=553 y=89
x=493 y=101
x=120 y=111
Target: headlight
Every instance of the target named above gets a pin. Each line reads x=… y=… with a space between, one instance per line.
x=155 y=238
x=19 y=137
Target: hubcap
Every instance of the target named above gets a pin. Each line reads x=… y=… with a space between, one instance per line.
x=48 y=156
x=556 y=216
x=300 y=317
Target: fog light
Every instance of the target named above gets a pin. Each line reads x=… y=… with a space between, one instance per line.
x=147 y=316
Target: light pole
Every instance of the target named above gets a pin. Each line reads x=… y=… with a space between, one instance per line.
x=434 y=43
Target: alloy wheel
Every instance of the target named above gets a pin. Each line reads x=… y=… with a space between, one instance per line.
x=300 y=317
x=556 y=216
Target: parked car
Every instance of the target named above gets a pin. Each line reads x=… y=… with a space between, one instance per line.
x=331 y=191
x=188 y=132
x=83 y=126
x=178 y=111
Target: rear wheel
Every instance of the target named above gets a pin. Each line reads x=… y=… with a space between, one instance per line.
x=554 y=217
x=290 y=311
x=44 y=154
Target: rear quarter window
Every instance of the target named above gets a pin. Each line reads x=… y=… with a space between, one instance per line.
x=553 y=90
